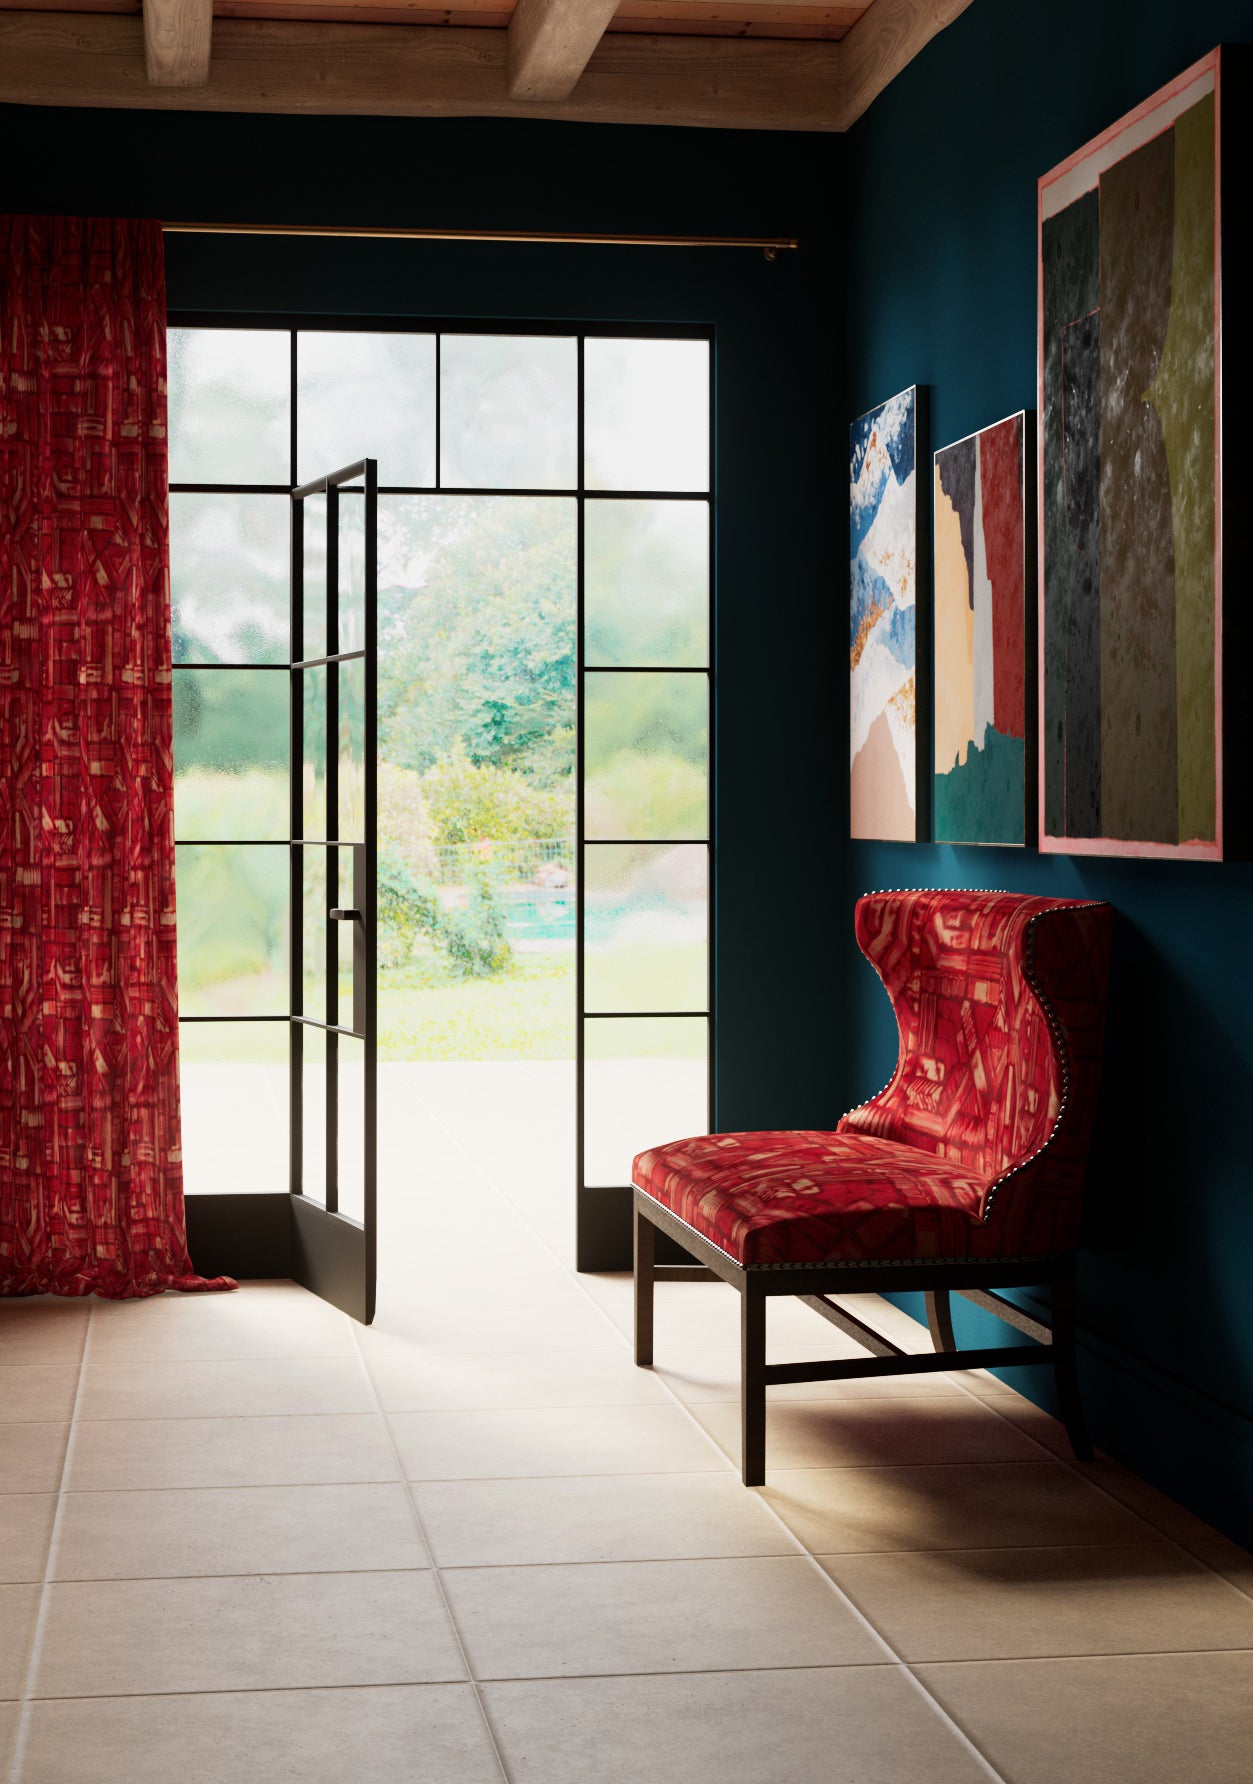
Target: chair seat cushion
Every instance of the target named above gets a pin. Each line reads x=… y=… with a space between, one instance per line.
x=812 y=1197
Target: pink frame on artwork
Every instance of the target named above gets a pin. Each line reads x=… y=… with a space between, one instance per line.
x=1081 y=171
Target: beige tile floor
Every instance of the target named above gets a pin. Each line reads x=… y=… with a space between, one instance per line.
x=242 y=1539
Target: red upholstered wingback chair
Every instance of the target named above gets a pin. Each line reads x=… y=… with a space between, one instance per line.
x=965 y=1173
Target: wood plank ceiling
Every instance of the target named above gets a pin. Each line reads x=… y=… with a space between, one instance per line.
x=663 y=18
x=740 y=64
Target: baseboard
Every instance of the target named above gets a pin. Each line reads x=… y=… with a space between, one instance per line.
x=605 y=1236
x=240 y=1235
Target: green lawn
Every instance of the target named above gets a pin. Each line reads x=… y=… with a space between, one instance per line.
x=426 y=1012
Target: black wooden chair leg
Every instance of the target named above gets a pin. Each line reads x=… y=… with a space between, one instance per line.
x=1066 y=1372
x=753 y=1382
x=940 y=1319
x=645 y=1252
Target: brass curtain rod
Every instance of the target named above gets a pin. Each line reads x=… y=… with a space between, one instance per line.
x=770 y=245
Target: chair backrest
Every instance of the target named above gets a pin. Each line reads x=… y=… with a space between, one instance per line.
x=1000 y=1003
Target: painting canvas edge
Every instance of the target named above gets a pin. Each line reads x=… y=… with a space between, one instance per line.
x=919 y=518
x=1050 y=842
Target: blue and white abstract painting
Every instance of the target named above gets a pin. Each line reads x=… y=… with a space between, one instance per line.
x=883 y=576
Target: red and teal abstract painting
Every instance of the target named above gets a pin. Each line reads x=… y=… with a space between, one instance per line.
x=1130 y=481
x=983 y=572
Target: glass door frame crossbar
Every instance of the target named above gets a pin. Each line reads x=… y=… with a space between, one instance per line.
x=364 y=854
x=438 y=326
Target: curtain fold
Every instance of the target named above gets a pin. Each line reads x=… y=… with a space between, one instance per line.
x=91 y=1192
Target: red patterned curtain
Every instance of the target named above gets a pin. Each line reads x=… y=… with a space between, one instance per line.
x=91 y=1187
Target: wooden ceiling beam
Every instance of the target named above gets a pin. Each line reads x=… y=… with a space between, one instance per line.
x=177 y=38
x=262 y=65
x=311 y=68
x=883 y=41
x=551 y=43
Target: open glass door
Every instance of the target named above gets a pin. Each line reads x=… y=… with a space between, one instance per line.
x=333 y=898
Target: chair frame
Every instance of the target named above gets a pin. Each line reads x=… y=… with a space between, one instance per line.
x=975 y=1280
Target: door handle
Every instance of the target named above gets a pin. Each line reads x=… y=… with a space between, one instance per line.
x=340 y=915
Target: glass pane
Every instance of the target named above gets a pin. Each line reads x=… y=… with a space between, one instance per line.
x=362 y=395
x=344 y=937
x=646 y=414
x=646 y=756
x=477 y=607
x=313 y=1114
x=232 y=930
x=352 y=750
x=645 y=1082
x=351 y=569
x=230 y=578
x=313 y=751
x=509 y=412
x=314 y=906
x=231 y=754
x=647 y=583
x=646 y=927
x=314 y=570
x=230 y=405
x=351 y=1127
x=240 y=1068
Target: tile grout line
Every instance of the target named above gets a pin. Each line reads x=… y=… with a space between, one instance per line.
x=1071 y=1463
x=837 y=1555
x=686 y=1672
x=898 y=1660
x=35 y=1651
x=435 y=1572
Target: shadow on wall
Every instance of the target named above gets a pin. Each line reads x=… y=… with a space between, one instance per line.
x=1169 y=1214
x=1168 y=1227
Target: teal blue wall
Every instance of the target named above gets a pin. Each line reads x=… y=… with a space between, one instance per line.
x=918 y=264
x=941 y=290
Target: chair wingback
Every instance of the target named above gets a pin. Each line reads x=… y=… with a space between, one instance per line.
x=1000 y=1004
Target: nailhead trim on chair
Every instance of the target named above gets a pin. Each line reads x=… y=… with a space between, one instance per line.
x=903 y=1263
x=864 y=1263
x=1050 y=1016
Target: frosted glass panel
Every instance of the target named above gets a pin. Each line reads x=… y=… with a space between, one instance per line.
x=509 y=412
x=232 y=930
x=230 y=405
x=351 y=580
x=314 y=906
x=646 y=756
x=645 y=1082
x=313 y=753
x=352 y=750
x=646 y=414
x=366 y=395
x=313 y=1114
x=351 y=1127
x=314 y=568
x=647 y=583
x=234 y=1107
x=229 y=578
x=646 y=927
x=231 y=749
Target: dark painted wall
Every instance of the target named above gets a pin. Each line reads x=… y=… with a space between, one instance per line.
x=938 y=287
x=777 y=330
x=941 y=290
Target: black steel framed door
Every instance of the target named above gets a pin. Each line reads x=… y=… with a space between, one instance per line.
x=334 y=1098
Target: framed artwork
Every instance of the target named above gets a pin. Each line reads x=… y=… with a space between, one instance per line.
x=983 y=553
x=1131 y=470
x=887 y=549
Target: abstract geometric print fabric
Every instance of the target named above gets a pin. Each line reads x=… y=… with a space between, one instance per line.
x=978 y=1145
x=91 y=1194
